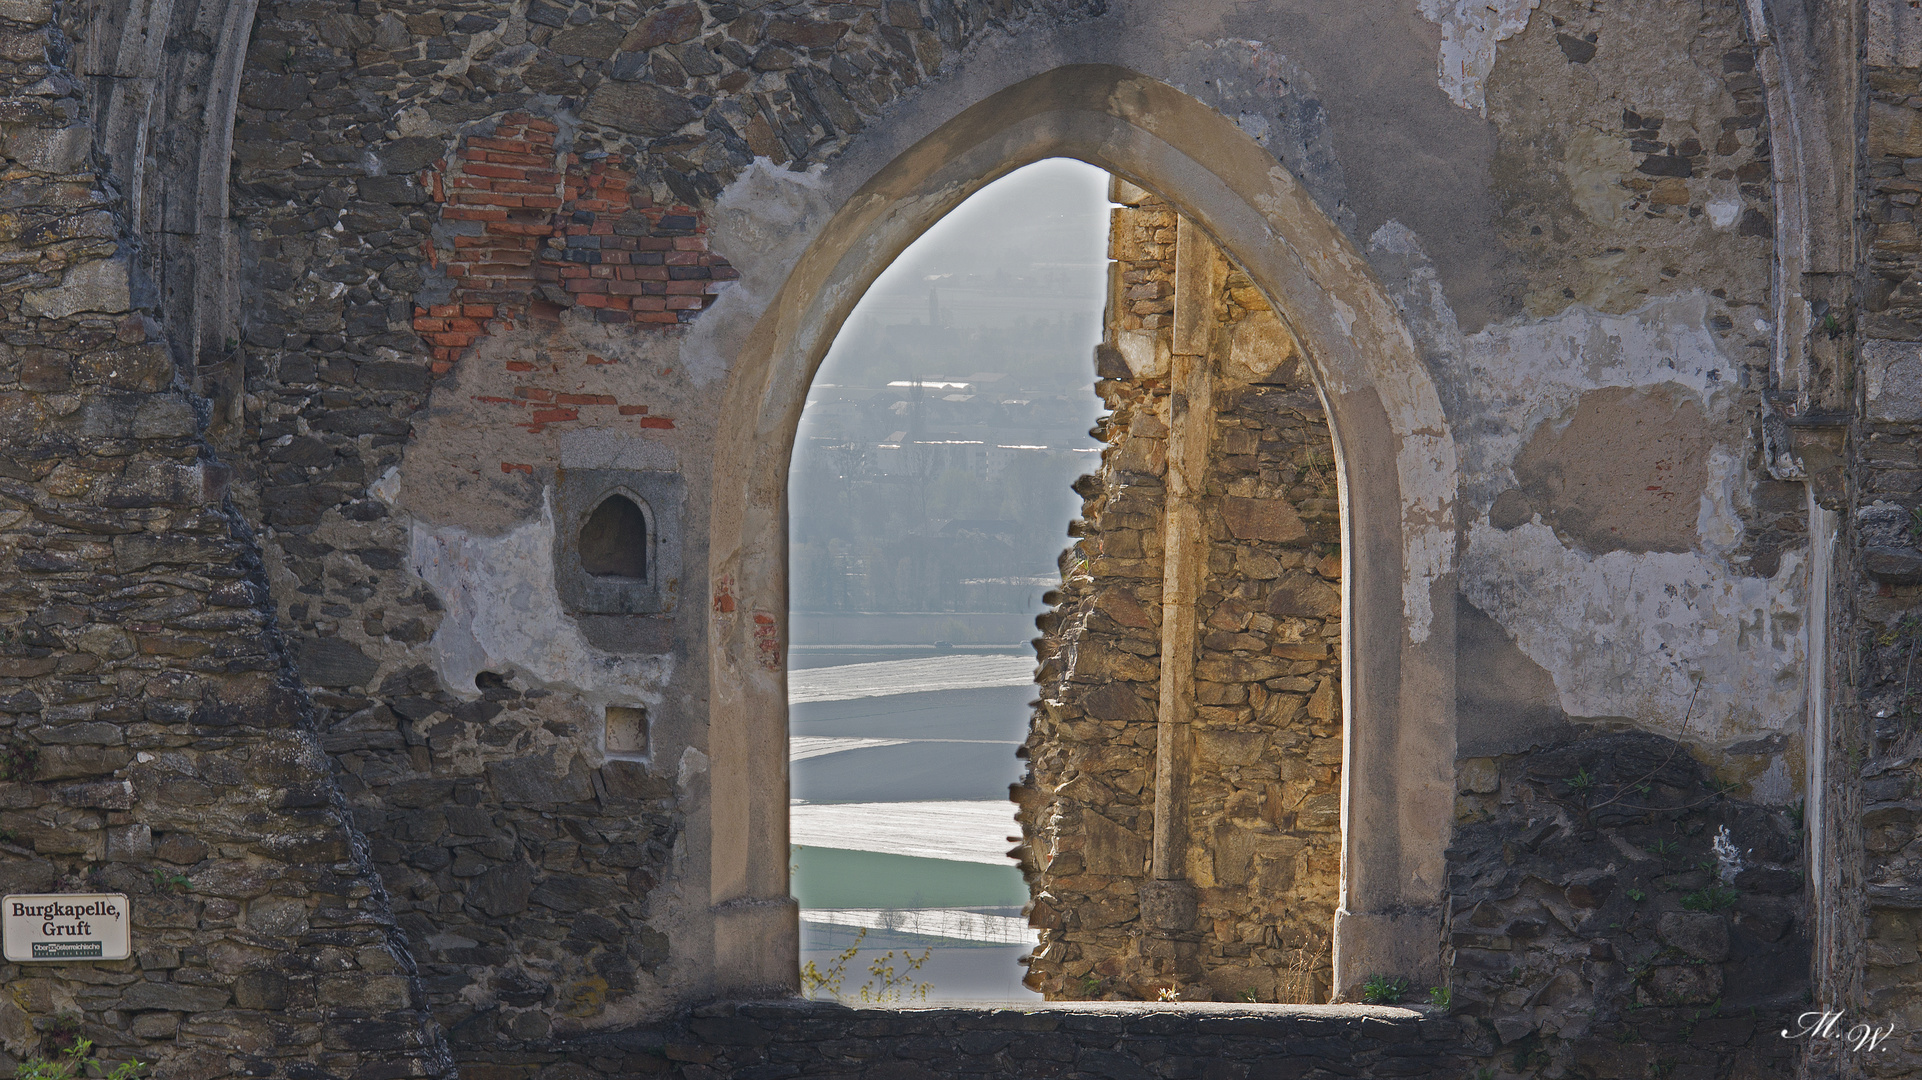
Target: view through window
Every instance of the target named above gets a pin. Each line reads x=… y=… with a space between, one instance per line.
x=929 y=497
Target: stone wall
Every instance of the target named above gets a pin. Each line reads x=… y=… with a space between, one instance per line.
x=153 y=738
x=1875 y=747
x=472 y=233
x=1258 y=801
x=1116 y=1041
x=1613 y=907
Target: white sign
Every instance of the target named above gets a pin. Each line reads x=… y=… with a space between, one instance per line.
x=67 y=926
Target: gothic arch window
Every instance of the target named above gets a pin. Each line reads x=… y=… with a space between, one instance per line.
x=1394 y=460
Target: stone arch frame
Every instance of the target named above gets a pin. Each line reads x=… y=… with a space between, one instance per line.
x=164 y=81
x=1395 y=458
x=1815 y=119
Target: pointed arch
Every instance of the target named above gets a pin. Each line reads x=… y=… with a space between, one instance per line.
x=1395 y=457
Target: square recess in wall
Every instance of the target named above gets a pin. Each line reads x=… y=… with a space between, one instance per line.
x=618 y=548
x=626 y=730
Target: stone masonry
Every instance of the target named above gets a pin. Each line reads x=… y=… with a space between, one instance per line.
x=1260 y=808
x=154 y=738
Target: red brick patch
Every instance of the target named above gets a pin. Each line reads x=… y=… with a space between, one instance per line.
x=767 y=640
x=557 y=232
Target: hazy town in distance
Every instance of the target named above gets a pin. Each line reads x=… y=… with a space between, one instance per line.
x=929 y=499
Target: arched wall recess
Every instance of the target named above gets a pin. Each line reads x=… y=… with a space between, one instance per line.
x=1395 y=456
x=599 y=572
x=614 y=539
x=164 y=77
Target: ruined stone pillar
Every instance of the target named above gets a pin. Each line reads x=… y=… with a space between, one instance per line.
x=1168 y=901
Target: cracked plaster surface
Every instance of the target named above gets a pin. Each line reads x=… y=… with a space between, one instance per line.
x=1621 y=634
x=503 y=612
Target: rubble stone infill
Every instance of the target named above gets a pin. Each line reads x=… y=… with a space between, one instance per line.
x=1260 y=808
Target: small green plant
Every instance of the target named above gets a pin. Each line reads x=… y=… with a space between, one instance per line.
x=1798 y=813
x=1441 y=997
x=1251 y=995
x=1663 y=847
x=1168 y=993
x=174 y=883
x=1637 y=895
x=815 y=981
x=1090 y=986
x=1710 y=899
x=1383 y=990
x=79 y=1062
x=889 y=984
x=1581 y=782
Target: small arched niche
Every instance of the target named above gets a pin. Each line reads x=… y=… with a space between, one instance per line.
x=613 y=542
x=617 y=541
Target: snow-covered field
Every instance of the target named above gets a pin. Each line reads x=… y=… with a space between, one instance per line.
x=953 y=923
x=847 y=682
x=803 y=747
x=957 y=831
x=924 y=750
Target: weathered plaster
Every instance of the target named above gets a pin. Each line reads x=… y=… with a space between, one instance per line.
x=1509 y=380
x=1276 y=101
x=1619 y=634
x=1627 y=635
x=502 y=612
x=1470 y=31
x=1579 y=473
x=475 y=448
x=763 y=222
x=1638 y=172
